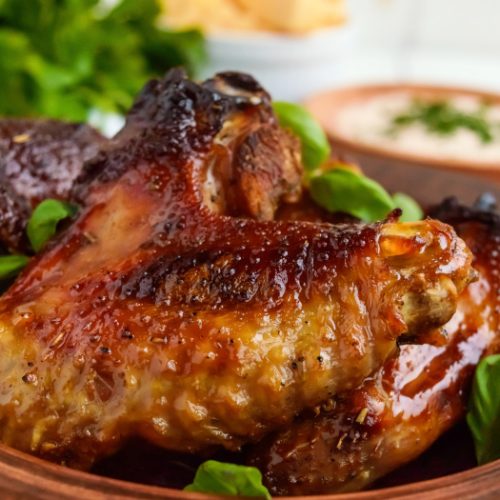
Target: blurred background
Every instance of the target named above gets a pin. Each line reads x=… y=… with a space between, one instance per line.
x=69 y=58
x=436 y=41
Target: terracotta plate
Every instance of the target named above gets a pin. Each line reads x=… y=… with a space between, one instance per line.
x=23 y=476
x=326 y=106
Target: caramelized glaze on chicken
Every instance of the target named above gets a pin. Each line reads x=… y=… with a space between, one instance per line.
x=160 y=313
x=398 y=413
x=38 y=159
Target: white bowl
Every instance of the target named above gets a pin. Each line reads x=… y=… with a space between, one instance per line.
x=290 y=67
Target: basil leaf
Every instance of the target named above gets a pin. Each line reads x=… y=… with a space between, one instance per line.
x=411 y=209
x=341 y=190
x=315 y=145
x=484 y=410
x=10 y=265
x=228 y=479
x=44 y=219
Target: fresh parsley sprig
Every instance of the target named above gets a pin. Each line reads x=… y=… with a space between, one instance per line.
x=63 y=59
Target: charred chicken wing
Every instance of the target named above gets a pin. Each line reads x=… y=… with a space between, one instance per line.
x=175 y=310
x=398 y=413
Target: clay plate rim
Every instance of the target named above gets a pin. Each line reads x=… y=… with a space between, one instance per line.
x=324 y=105
x=32 y=477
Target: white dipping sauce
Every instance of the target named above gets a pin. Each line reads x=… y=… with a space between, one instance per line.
x=369 y=121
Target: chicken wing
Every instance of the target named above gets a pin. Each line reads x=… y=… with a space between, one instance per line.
x=160 y=313
x=398 y=413
x=38 y=159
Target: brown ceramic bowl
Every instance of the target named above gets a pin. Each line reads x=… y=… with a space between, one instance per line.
x=22 y=476
x=326 y=106
x=27 y=477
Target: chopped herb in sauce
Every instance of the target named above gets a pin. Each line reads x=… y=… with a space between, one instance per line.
x=442 y=118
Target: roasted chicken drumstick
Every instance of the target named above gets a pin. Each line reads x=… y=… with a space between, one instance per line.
x=413 y=399
x=162 y=312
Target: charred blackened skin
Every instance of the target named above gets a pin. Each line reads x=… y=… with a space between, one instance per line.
x=396 y=415
x=14 y=213
x=39 y=159
x=175 y=310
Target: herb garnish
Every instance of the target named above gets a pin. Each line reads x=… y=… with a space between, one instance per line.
x=315 y=145
x=410 y=208
x=484 y=410
x=44 y=220
x=339 y=189
x=11 y=265
x=41 y=226
x=228 y=479
x=342 y=190
x=441 y=118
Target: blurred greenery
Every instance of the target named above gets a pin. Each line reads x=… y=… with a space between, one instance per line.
x=62 y=58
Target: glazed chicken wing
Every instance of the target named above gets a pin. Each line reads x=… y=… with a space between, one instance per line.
x=398 y=413
x=38 y=159
x=175 y=310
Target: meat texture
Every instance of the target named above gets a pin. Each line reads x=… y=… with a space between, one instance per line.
x=38 y=159
x=172 y=309
x=398 y=413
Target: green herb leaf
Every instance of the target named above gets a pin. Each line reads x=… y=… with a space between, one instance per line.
x=11 y=265
x=411 y=209
x=44 y=219
x=315 y=145
x=484 y=410
x=228 y=479
x=341 y=190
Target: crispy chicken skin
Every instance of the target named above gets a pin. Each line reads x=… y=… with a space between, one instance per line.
x=161 y=314
x=38 y=159
x=398 y=413
x=14 y=214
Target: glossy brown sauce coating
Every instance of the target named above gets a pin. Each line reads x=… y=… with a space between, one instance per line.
x=453 y=452
x=39 y=159
x=397 y=414
x=160 y=314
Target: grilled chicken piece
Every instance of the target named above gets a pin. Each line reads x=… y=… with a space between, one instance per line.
x=394 y=416
x=38 y=159
x=159 y=314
